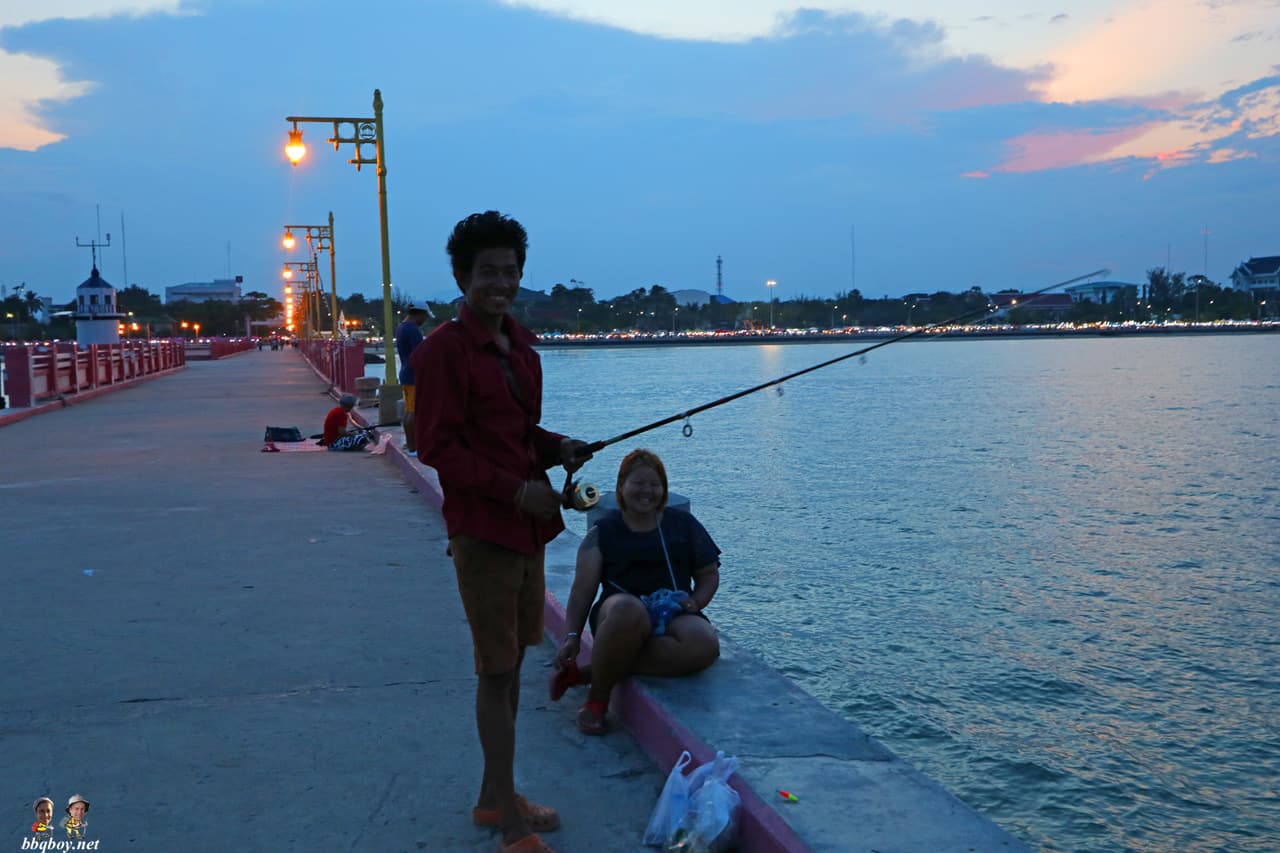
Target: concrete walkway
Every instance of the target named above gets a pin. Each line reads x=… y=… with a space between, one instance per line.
x=223 y=649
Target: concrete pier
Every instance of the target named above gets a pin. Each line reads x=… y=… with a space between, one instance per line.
x=227 y=649
x=223 y=649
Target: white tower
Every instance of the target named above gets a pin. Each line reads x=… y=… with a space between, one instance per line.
x=97 y=320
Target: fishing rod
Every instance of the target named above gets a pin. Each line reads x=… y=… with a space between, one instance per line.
x=368 y=428
x=685 y=415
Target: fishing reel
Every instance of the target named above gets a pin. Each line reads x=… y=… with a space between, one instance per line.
x=579 y=495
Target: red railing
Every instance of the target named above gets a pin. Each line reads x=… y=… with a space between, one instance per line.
x=206 y=349
x=340 y=362
x=36 y=372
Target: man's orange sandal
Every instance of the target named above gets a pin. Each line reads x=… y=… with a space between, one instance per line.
x=529 y=844
x=539 y=818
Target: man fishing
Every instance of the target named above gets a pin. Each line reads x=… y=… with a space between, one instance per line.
x=479 y=403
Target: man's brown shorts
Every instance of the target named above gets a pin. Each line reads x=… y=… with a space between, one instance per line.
x=502 y=593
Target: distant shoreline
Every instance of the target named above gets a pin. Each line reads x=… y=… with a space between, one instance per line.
x=872 y=335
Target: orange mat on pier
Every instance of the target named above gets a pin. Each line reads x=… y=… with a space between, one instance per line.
x=310 y=446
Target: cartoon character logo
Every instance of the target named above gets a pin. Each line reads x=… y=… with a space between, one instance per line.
x=43 y=827
x=74 y=823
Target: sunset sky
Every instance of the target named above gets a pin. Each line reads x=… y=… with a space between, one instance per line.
x=895 y=147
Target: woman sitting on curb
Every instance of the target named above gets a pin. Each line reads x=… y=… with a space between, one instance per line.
x=634 y=552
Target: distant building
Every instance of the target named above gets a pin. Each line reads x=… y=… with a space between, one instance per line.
x=1100 y=292
x=1258 y=275
x=691 y=297
x=1057 y=304
x=223 y=289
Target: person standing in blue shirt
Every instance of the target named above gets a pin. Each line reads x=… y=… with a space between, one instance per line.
x=408 y=336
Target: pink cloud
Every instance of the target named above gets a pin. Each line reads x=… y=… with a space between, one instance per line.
x=1033 y=152
x=1226 y=155
x=976 y=173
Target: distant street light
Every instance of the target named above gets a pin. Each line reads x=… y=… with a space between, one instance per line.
x=771 y=284
x=310 y=291
x=320 y=239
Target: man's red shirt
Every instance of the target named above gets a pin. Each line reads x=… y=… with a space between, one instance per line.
x=334 y=424
x=481 y=440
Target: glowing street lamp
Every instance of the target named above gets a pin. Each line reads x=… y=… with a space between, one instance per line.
x=295 y=149
x=310 y=286
x=771 y=284
x=363 y=132
x=320 y=239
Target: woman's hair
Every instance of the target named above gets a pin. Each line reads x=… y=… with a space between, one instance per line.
x=640 y=458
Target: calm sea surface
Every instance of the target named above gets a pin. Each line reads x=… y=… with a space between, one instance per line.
x=1046 y=572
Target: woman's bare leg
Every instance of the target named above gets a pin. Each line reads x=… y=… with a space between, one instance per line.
x=620 y=634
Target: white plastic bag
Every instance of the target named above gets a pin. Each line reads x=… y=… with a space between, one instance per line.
x=710 y=823
x=673 y=802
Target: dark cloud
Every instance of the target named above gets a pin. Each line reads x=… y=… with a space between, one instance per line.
x=1061 y=16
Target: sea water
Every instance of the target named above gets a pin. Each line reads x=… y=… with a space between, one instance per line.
x=1046 y=572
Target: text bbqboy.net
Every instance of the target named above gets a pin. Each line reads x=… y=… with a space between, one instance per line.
x=49 y=844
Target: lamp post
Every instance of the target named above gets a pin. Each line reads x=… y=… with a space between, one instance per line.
x=308 y=268
x=674 y=315
x=320 y=239
x=364 y=132
x=834 y=309
x=771 y=284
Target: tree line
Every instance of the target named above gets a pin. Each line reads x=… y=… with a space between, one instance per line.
x=573 y=308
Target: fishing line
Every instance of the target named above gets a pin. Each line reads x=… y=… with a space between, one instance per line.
x=571 y=489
